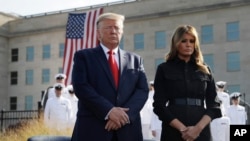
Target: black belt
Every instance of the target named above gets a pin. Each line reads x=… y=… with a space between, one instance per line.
x=186 y=101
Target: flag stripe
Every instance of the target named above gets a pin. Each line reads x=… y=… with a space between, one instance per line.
x=92 y=28
x=80 y=34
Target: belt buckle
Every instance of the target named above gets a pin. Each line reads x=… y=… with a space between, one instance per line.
x=194 y=102
x=189 y=101
x=197 y=102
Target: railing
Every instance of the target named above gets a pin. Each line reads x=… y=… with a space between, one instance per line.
x=10 y=119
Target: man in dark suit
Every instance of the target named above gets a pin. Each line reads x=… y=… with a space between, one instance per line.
x=109 y=106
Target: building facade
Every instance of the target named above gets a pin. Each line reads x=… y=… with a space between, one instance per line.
x=31 y=47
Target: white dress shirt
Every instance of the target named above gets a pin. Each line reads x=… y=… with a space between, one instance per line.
x=115 y=51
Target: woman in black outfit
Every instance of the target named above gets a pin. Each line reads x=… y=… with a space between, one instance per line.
x=185 y=92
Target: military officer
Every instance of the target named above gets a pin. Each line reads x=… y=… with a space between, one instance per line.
x=58 y=110
x=220 y=127
x=74 y=101
x=146 y=113
x=222 y=95
x=50 y=91
x=236 y=112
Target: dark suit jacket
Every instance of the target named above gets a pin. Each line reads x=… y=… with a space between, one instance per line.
x=94 y=86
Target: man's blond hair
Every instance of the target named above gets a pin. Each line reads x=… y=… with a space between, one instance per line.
x=112 y=16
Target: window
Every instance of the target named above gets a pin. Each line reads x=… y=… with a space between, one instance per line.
x=160 y=39
x=209 y=60
x=46 y=51
x=233 y=88
x=45 y=76
x=14 y=55
x=29 y=77
x=29 y=54
x=13 y=103
x=61 y=50
x=158 y=62
x=233 y=31
x=121 y=45
x=233 y=61
x=28 y=102
x=139 y=41
x=206 y=34
x=13 y=77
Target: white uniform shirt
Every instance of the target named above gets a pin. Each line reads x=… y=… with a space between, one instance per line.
x=146 y=114
x=147 y=109
x=237 y=115
x=220 y=129
x=156 y=126
x=57 y=113
x=74 y=104
x=51 y=93
x=224 y=97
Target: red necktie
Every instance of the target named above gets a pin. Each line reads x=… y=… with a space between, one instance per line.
x=113 y=67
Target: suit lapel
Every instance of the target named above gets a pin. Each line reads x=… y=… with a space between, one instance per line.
x=123 y=62
x=104 y=63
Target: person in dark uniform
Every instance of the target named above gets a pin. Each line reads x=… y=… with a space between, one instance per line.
x=185 y=82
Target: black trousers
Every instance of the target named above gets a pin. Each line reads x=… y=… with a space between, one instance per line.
x=114 y=138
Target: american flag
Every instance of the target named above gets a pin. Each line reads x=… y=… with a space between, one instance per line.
x=80 y=34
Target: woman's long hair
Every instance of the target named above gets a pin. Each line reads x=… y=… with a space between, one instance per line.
x=197 y=54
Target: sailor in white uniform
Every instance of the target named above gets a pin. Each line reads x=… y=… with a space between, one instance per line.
x=58 y=110
x=220 y=127
x=146 y=114
x=50 y=91
x=222 y=95
x=155 y=127
x=60 y=78
x=236 y=112
x=74 y=103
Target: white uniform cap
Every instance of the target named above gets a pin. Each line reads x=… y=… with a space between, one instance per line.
x=59 y=85
x=235 y=95
x=151 y=82
x=70 y=87
x=60 y=76
x=221 y=84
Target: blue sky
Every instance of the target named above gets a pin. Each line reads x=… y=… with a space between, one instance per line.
x=29 y=7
